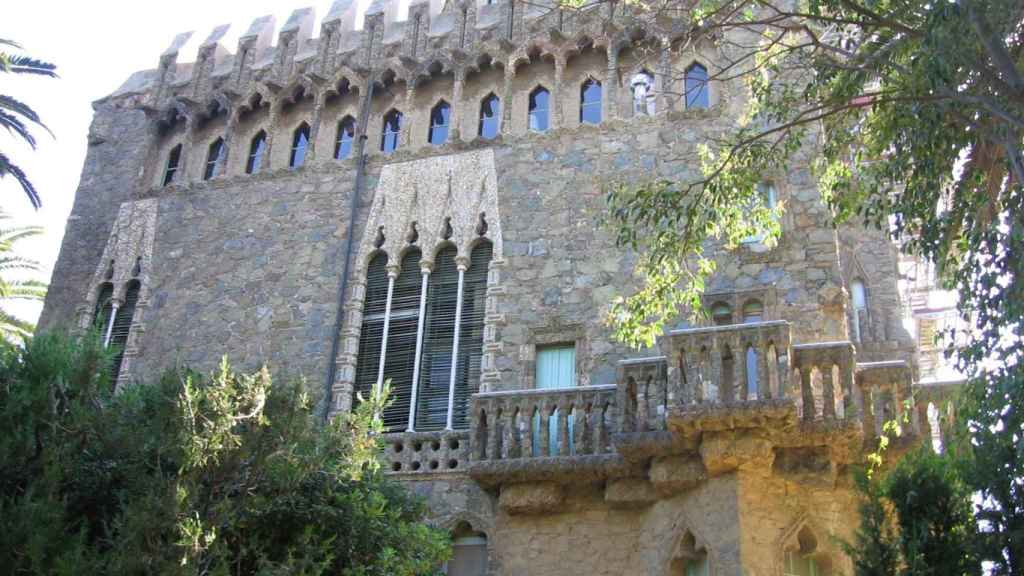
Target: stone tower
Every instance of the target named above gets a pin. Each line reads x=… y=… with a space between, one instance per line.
x=418 y=201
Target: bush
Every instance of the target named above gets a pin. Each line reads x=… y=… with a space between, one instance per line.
x=192 y=474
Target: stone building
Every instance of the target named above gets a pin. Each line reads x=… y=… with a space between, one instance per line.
x=232 y=205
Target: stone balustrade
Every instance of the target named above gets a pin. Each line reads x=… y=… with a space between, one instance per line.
x=729 y=364
x=425 y=452
x=526 y=424
x=643 y=394
x=824 y=386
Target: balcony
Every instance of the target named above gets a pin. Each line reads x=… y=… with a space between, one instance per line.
x=543 y=434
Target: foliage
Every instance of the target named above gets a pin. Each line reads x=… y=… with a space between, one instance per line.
x=17 y=116
x=910 y=116
x=225 y=474
x=916 y=521
x=11 y=327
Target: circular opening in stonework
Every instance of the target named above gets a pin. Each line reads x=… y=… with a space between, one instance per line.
x=417 y=446
x=415 y=465
x=396 y=466
x=453 y=443
x=453 y=464
x=434 y=464
x=435 y=445
x=399 y=447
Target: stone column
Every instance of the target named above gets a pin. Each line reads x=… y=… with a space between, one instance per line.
x=455 y=122
x=314 y=125
x=506 y=98
x=828 y=392
x=405 y=133
x=764 y=376
x=663 y=77
x=558 y=110
x=611 y=83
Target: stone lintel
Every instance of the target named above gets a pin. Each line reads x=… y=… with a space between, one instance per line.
x=531 y=498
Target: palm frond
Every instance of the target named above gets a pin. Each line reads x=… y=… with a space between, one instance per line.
x=13 y=328
x=8 y=167
x=16 y=64
x=23 y=290
x=11 y=43
x=18 y=107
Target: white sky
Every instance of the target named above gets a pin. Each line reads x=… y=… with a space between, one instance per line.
x=96 y=45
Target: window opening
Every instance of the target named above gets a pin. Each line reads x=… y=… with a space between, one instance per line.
x=257 y=150
x=556 y=368
x=642 y=85
x=590 y=102
x=173 y=160
x=490 y=117
x=391 y=131
x=346 y=137
x=439 y=122
x=214 y=159
x=300 y=143
x=696 y=87
x=469 y=553
x=122 y=326
x=539 y=111
x=721 y=314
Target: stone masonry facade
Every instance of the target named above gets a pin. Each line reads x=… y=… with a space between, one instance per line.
x=723 y=450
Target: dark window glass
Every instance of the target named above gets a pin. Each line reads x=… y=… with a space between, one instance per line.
x=696 y=85
x=439 y=118
x=721 y=314
x=539 y=102
x=121 y=328
x=256 y=152
x=300 y=142
x=346 y=135
x=173 y=159
x=490 y=117
x=214 y=159
x=590 y=102
x=391 y=131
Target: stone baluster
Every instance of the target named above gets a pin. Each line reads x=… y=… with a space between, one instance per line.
x=765 y=389
x=717 y=375
x=597 y=417
x=642 y=406
x=563 y=427
x=508 y=432
x=739 y=369
x=828 y=392
x=526 y=416
x=493 y=443
x=578 y=427
x=545 y=429
x=806 y=394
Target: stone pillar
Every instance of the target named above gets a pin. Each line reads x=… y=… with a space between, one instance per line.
x=455 y=122
x=314 y=125
x=764 y=370
x=558 y=110
x=506 y=98
x=405 y=134
x=611 y=84
x=828 y=391
x=663 y=77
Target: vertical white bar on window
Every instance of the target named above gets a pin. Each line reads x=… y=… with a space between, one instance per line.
x=384 y=339
x=110 y=325
x=455 y=350
x=419 y=350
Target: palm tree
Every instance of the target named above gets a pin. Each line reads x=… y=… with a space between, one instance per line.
x=11 y=327
x=16 y=116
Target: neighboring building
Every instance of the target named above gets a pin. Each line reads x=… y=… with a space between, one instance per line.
x=222 y=204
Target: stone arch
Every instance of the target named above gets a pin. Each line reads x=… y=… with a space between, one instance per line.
x=257 y=97
x=681 y=539
x=805 y=541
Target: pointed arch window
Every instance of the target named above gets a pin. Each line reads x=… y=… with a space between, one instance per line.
x=257 y=150
x=859 y=296
x=300 y=144
x=122 y=326
x=214 y=159
x=590 y=102
x=490 y=117
x=440 y=117
x=469 y=553
x=539 y=110
x=391 y=131
x=642 y=86
x=101 y=312
x=695 y=84
x=346 y=137
x=431 y=342
x=173 y=161
x=769 y=198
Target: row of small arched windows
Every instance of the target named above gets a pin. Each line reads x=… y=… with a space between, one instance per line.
x=489 y=126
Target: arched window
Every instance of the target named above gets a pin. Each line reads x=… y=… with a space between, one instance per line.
x=173 y=160
x=390 y=132
x=539 y=109
x=346 y=136
x=440 y=116
x=300 y=143
x=860 y=306
x=122 y=326
x=214 y=159
x=696 y=86
x=438 y=338
x=642 y=86
x=752 y=373
x=690 y=559
x=490 y=117
x=753 y=311
x=769 y=199
x=399 y=364
x=101 y=312
x=471 y=333
x=469 y=553
x=371 y=335
x=257 y=149
x=590 y=102
x=802 y=557
x=721 y=314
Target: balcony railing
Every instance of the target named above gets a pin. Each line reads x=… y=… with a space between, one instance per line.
x=527 y=424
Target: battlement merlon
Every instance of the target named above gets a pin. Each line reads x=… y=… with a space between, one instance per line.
x=459 y=35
